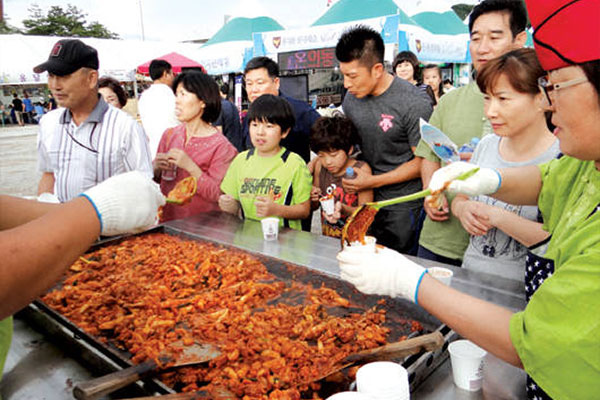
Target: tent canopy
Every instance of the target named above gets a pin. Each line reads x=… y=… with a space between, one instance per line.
x=446 y=23
x=177 y=61
x=239 y=29
x=356 y=10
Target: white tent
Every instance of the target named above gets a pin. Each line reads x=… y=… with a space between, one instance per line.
x=224 y=57
x=118 y=58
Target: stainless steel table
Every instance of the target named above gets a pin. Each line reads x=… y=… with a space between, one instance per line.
x=37 y=369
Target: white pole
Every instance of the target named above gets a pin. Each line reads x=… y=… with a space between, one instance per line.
x=142 y=20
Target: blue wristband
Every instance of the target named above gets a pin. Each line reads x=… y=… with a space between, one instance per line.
x=95 y=208
x=417 y=289
x=499 y=180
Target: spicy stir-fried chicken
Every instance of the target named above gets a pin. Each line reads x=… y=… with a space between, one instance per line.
x=145 y=293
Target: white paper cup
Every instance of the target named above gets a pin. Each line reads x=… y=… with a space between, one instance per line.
x=383 y=380
x=367 y=247
x=349 y=396
x=467 y=364
x=328 y=205
x=270 y=228
x=443 y=275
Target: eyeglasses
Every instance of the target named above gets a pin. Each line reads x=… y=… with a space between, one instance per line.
x=548 y=87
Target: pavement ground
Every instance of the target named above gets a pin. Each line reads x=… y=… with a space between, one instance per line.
x=18 y=160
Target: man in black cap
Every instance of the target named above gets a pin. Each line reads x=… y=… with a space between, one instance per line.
x=87 y=141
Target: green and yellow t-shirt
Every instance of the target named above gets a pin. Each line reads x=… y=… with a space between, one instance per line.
x=557 y=336
x=6 y=329
x=284 y=176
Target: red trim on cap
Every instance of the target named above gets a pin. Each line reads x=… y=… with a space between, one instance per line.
x=56 y=50
x=566 y=32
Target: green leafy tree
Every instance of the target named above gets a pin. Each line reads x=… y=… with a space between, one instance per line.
x=5 y=28
x=61 y=22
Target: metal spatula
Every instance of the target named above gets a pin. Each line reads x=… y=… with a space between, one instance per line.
x=428 y=342
x=361 y=219
x=193 y=354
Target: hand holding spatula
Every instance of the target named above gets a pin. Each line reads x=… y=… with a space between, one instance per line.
x=359 y=222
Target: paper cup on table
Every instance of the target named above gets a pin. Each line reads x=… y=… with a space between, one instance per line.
x=328 y=205
x=383 y=380
x=443 y=275
x=270 y=228
x=367 y=247
x=467 y=364
x=350 y=396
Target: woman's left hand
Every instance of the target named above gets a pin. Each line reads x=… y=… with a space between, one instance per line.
x=180 y=158
x=475 y=217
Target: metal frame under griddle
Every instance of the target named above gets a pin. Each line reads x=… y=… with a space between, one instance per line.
x=103 y=358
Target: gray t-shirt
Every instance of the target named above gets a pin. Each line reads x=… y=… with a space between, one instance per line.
x=388 y=126
x=495 y=252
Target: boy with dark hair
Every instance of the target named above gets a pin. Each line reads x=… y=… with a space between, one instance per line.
x=386 y=111
x=157 y=103
x=496 y=27
x=334 y=140
x=268 y=180
x=261 y=76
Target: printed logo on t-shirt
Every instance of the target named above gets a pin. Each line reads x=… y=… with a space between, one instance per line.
x=262 y=186
x=386 y=122
x=339 y=194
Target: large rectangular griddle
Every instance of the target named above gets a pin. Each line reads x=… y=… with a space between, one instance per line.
x=106 y=357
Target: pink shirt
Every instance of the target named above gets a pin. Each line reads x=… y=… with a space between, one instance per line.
x=212 y=154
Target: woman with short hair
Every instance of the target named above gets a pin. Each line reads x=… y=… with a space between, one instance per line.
x=555 y=339
x=112 y=92
x=195 y=147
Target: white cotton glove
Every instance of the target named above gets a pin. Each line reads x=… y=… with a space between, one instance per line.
x=126 y=203
x=385 y=272
x=484 y=181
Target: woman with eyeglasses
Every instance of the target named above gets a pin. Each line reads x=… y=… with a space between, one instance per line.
x=556 y=338
x=500 y=232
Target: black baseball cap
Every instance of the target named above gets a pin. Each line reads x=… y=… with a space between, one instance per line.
x=67 y=56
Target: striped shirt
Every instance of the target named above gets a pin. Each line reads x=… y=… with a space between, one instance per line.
x=108 y=143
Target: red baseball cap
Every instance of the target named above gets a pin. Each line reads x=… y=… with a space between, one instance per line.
x=566 y=32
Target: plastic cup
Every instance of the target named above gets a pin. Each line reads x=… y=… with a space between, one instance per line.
x=467 y=364
x=270 y=228
x=47 y=197
x=383 y=380
x=169 y=174
x=349 y=396
x=443 y=275
x=328 y=205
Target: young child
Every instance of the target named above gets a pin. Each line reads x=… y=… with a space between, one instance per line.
x=268 y=180
x=333 y=139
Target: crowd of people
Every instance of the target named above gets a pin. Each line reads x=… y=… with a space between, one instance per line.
x=528 y=213
x=25 y=111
